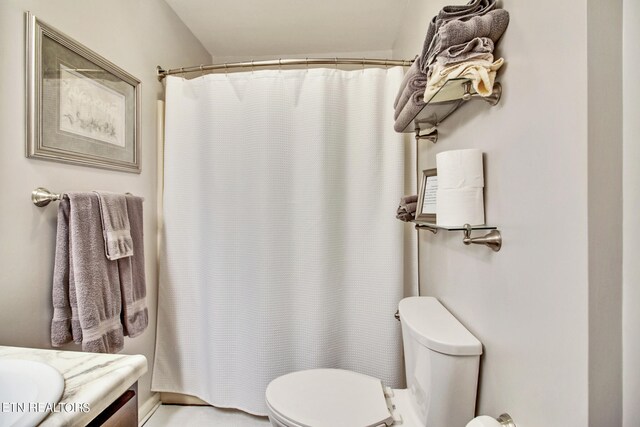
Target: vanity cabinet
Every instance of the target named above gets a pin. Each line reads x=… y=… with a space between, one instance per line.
x=123 y=412
x=106 y=384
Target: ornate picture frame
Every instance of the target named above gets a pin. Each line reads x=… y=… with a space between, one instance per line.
x=81 y=108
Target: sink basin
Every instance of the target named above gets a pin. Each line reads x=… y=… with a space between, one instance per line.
x=23 y=384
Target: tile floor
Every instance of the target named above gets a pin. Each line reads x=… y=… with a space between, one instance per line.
x=203 y=416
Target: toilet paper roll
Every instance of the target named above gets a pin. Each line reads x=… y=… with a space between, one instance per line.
x=460 y=169
x=455 y=207
x=484 y=421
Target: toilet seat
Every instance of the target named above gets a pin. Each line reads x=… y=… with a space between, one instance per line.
x=328 y=398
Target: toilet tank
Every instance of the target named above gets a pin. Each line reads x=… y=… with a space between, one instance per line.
x=441 y=360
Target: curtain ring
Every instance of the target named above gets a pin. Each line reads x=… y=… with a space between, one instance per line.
x=252 y=66
x=201 y=70
x=336 y=62
x=226 y=69
x=306 y=60
x=280 y=64
x=363 y=65
x=386 y=66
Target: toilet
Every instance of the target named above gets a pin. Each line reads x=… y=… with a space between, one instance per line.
x=441 y=361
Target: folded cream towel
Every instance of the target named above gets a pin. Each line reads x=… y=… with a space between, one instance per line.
x=115 y=225
x=491 y=25
x=86 y=286
x=135 y=316
x=482 y=74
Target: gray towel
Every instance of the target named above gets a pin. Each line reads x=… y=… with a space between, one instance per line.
x=414 y=104
x=415 y=67
x=491 y=25
x=115 y=225
x=406 y=200
x=64 y=326
x=86 y=286
x=407 y=208
x=406 y=217
x=135 y=316
x=478 y=48
x=449 y=13
x=415 y=80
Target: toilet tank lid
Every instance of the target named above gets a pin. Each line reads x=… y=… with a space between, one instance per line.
x=430 y=323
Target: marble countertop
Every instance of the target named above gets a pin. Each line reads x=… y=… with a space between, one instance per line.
x=90 y=378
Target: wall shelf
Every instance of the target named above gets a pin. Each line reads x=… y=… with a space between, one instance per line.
x=492 y=240
x=448 y=99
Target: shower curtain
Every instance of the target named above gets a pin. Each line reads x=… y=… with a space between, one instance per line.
x=281 y=251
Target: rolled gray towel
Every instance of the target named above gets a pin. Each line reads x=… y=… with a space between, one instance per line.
x=449 y=13
x=405 y=200
x=407 y=209
x=416 y=83
x=478 y=48
x=491 y=25
x=413 y=106
x=412 y=71
x=405 y=216
x=411 y=207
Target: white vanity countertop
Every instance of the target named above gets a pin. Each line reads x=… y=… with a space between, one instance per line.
x=95 y=379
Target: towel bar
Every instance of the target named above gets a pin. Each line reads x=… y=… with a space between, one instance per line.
x=42 y=197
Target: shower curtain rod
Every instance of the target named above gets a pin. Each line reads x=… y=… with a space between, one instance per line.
x=162 y=73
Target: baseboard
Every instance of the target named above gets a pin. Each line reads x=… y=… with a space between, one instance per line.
x=148 y=408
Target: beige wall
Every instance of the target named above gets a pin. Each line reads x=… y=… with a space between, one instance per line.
x=534 y=304
x=631 y=237
x=137 y=36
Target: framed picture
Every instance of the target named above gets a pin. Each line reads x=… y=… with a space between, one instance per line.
x=81 y=108
x=426 y=209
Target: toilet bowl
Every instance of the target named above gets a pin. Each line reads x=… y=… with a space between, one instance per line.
x=441 y=361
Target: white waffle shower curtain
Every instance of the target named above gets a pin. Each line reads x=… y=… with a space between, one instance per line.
x=281 y=250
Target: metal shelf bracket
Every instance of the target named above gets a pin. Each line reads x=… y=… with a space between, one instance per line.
x=492 y=240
